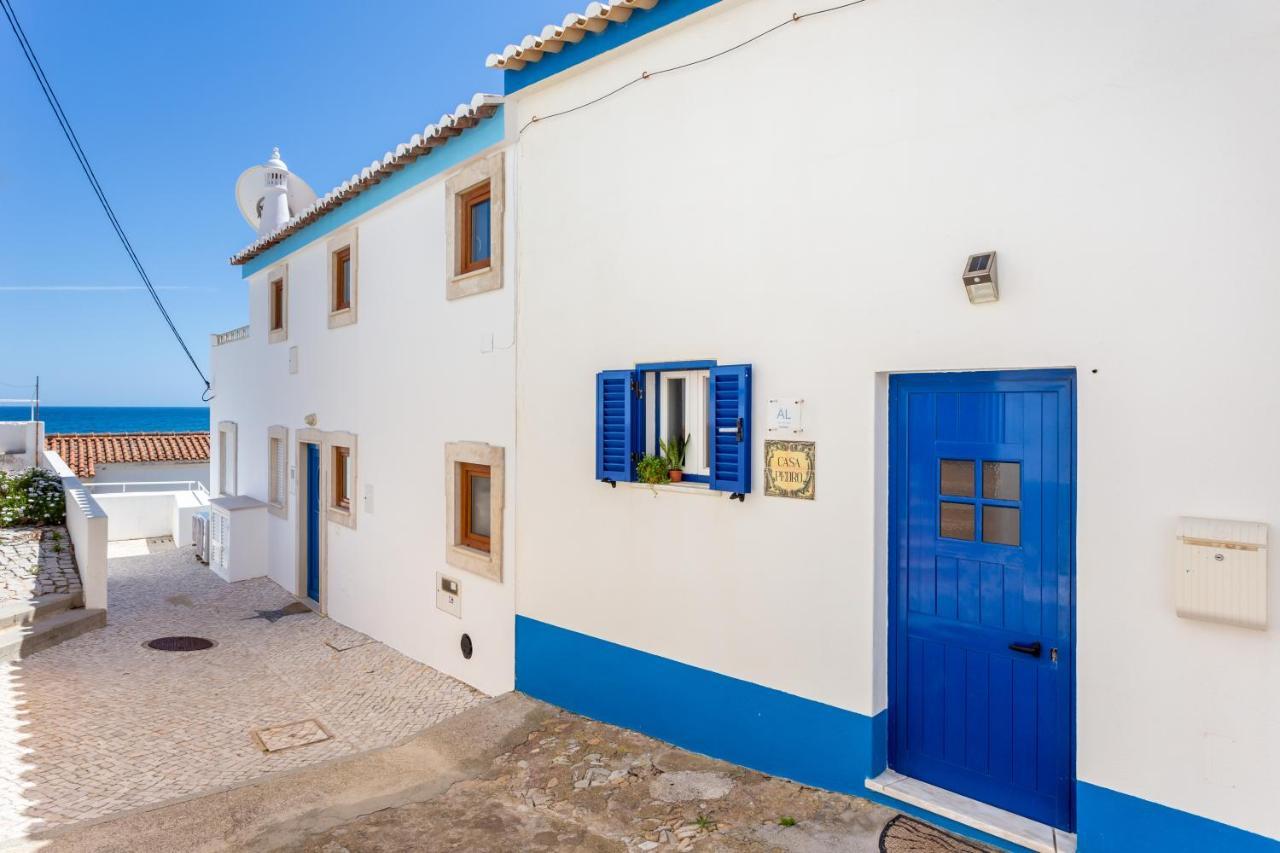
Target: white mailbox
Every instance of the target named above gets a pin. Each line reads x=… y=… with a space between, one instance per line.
x=1221 y=571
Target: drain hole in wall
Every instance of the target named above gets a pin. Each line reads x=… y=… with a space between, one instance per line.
x=466 y=646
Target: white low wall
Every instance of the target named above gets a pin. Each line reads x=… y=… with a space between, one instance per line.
x=20 y=444
x=148 y=515
x=87 y=527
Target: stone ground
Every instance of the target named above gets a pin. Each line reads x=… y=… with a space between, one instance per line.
x=101 y=724
x=513 y=774
x=36 y=561
x=579 y=785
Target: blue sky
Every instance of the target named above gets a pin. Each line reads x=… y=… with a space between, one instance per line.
x=172 y=101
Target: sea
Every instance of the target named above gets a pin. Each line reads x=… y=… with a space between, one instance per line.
x=114 y=418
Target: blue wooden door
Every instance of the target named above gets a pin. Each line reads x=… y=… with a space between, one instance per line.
x=981 y=588
x=313 y=522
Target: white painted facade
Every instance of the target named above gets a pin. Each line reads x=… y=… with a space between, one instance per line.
x=806 y=206
x=414 y=372
x=150 y=472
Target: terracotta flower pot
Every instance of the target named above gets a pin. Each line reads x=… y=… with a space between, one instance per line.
x=676 y=475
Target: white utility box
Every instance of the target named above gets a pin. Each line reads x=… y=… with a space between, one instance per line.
x=1220 y=571
x=238 y=537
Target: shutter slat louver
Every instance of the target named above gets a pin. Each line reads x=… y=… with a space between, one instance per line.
x=731 y=428
x=615 y=425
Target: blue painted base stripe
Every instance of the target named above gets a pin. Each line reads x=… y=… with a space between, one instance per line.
x=1109 y=820
x=803 y=740
x=758 y=727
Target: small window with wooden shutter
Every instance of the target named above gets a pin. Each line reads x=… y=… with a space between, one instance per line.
x=694 y=417
x=278 y=470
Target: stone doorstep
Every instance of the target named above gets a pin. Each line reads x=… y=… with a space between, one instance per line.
x=972 y=813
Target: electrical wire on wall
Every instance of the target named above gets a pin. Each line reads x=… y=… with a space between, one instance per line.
x=796 y=17
x=76 y=148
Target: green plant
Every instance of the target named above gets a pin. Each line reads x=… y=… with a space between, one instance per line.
x=652 y=469
x=31 y=496
x=786 y=820
x=705 y=823
x=57 y=547
x=673 y=451
x=56 y=536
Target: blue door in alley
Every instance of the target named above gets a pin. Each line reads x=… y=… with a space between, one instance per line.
x=313 y=522
x=981 y=625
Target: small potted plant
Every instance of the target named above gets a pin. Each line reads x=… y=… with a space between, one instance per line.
x=673 y=453
x=652 y=470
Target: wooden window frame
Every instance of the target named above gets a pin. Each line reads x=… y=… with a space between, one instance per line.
x=275 y=304
x=466 y=230
x=458 y=552
x=336 y=286
x=340 y=499
x=468 y=471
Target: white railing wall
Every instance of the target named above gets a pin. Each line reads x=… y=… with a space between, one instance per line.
x=87 y=527
x=217 y=339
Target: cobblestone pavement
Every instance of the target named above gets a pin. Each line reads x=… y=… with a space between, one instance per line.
x=583 y=786
x=101 y=724
x=36 y=561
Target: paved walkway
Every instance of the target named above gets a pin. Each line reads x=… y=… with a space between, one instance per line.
x=101 y=724
x=36 y=561
x=513 y=775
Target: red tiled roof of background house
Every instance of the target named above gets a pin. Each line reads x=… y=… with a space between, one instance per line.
x=82 y=451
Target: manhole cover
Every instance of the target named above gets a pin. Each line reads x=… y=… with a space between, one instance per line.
x=180 y=644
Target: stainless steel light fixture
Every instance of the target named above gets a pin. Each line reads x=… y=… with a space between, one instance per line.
x=980 y=278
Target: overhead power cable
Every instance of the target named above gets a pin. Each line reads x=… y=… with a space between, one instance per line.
x=83 y=158
x=796 y=17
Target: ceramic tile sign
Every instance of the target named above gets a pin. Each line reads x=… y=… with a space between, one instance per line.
x=785 y=416
x=789 y=469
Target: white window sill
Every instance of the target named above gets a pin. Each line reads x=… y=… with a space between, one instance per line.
x=681 y=488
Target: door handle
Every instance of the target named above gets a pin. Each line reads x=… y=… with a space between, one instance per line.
x=1032 y=649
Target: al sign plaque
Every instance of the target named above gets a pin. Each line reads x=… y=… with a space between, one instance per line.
x=789 y=469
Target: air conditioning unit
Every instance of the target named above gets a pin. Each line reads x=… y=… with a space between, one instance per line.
x=238 y=537
x=200 y=534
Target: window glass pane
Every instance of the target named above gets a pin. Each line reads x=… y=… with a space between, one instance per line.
x=346 y=281
x=479 y=505
x=479 y=248
x=955 y=521
x=1002 y=480
x=1000 y=525
x=673 y=409
x=957 y=477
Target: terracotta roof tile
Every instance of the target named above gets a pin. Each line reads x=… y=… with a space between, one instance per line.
x=82 y=451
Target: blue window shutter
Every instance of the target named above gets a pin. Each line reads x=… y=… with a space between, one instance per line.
x=731 y=424
x=616 y=424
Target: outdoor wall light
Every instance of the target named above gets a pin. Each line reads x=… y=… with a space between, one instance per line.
x=980 y=278
x=309 y=420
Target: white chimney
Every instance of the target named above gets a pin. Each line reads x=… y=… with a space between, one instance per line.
x=275 y=194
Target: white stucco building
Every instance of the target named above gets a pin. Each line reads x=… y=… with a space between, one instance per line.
x=1021 y=587
x=373 y=364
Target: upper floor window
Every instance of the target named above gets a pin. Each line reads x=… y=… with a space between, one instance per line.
x=277 y=307
x=476 y=211
x=344 y=279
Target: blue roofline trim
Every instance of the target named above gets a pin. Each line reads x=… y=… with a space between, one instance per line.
x=642 y=22
x=488 y=132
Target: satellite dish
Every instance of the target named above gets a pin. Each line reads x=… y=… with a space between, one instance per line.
x=251 y=188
